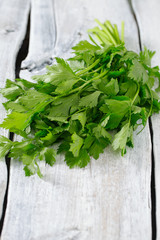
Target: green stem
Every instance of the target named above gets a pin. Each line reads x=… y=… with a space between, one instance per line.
x=102 y=36
x=93 y=41
x=88 y=68
x=116 y=33
x=133 y=100
x=107 y=32
x=81 y=87
x=150 y=111
x=122 y=32
x=135 y=96
x=109 y=26
x=96 y=70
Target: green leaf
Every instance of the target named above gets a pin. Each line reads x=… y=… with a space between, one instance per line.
x=60 y=109
x=129 y=56
x=81 y=161
x=74 y=127
x=88 y=141
x=15 y=106
x=4 y=140
x=76 y=145
x=32 y=166
x=100 y=131
x=66 y=86
x=23 y=147
x=111 y=88
x=90 y=100
x=40 y=124
x=49 y=138
x=137 y=72
x=138 y=113
x=39 y=171
x=117 y=51
x=16 y=120
x=48 y=155
x=105 y=121
x=130 y=142
x=11 y=90
x=146 y=56
x=24 y=84
x=57 y=73
x=27 y=159
x=120 y=139
x=81 y=116
x=117 y=109
x=85 y=46
x=5 y=146
x=77 y=65
x=30 y=169
x=35 y=100
x=98 y=147
x=63 y=147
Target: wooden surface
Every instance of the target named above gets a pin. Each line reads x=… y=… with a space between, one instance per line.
x=110 y=198
x=42 y=38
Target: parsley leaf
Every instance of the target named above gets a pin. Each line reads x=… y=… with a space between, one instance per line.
x=76 y=145
x=120 y=138
x=16 y=120
x=81 y=160
x=138 y=72
x=117 y=109
x=90 y=100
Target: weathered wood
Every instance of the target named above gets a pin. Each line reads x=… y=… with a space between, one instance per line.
x=13 y=16
x=42 y=39
x=110 y=198
x=148 y=16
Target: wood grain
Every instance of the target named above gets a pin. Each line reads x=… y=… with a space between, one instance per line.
x=110 y=198
x=13 y=17
x=42 y=39
x=148 y=19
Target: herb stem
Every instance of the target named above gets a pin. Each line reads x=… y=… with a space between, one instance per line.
x=94 y=71
x=88 y=68
x=86 y=83
x=122 y=32
x=150 y=111
x=107 y=32
x=135 y=96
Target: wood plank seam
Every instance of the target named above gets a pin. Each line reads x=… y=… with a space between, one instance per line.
x=153 y=191
x=7 y=161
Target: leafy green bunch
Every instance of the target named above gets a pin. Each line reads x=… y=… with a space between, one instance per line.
x=96 y=98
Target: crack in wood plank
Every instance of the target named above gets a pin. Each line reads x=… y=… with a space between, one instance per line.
x=153 y=187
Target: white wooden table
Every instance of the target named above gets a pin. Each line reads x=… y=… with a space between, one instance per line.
x=114 y=198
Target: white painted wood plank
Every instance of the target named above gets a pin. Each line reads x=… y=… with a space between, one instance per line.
x=148 y=16
x=13 y=15
x=110 y=198
x=42 y=39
